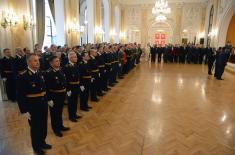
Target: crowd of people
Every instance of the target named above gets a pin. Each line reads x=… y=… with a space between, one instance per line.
x=192 y=54
x=38 y=80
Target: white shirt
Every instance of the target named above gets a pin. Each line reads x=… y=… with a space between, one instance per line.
x=71 y=63
x=33 y=71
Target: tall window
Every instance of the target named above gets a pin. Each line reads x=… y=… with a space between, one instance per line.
x=50 y=29
x=210 y=25
x=103 y=20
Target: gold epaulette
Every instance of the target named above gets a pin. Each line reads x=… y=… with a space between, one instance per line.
x=86 y=77
x=57 y=91
x=94 y=71
x=74 y=83
x=36 y=95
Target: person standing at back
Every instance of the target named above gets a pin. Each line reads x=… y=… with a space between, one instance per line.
x=7 y=72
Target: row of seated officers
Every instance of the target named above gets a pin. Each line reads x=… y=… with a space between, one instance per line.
x=87 y=73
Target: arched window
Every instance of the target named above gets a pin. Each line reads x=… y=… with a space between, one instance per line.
x=210 y=25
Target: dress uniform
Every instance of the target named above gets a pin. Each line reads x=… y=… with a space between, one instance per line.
x=95 y=76
x=107 y=60
x=7 y=72
x=32 y=99
x=20 y=64
x=85 y=83
x=221 y=62
x=72 y=77
x=102 y=71
x=56 y=92
x=211 y=60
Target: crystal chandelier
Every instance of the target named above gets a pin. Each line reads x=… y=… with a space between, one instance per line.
x=160 y=18
x=160 y=9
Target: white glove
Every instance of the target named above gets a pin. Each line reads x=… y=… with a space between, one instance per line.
x=92 y=80
x=99 y=74
x=105 y=71
x=82 y=88
x=50 y=103
x=69 y=93
x=120 y=65
x=111 y=69
x=27 y=115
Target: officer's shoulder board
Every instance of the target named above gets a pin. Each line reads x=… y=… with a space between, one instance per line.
x=23 y=73
x=49 y=70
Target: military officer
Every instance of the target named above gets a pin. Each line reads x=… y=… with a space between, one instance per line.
x=7 y=72
x=102 y=71
x=56 y=88
x=20 y=64
x=85 y=81
x=94 y=73
x=221 y=62
x=211 y=60
x=72 y=77
x=32 y=103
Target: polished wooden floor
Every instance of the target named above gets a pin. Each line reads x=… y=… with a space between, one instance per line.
x=165 y=109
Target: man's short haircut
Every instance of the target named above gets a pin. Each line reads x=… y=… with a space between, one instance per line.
x=30 y=55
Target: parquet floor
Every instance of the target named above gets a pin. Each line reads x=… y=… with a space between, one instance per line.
x=165 y=109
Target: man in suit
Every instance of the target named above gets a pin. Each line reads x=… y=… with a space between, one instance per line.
x=56 y=88
x=32 y=103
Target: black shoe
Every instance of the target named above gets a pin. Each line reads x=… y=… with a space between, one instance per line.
x=89 y=107
x=65 y=128
x=46 y=146
x=78 y=117
x=39 y=152
x=86 y=110
x=219 y=79
x=73 y=120
x=115 y=81
x=58 y=134
x=111 y=85
x=120 y=77
x=100 y=94
x=95 y=100
x=210 y=74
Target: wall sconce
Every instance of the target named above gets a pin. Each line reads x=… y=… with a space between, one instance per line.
x=113 y=33
x=213 y=33
x=75 y=27
x=9 y=19
x=28 y=22
x=99 y=30
x=122 y=34
x=81 y=29
x=185 y=30
x=201 y=35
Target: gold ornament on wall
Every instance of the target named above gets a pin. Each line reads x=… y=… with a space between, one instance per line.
x=9 y=19
x=28 y=22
